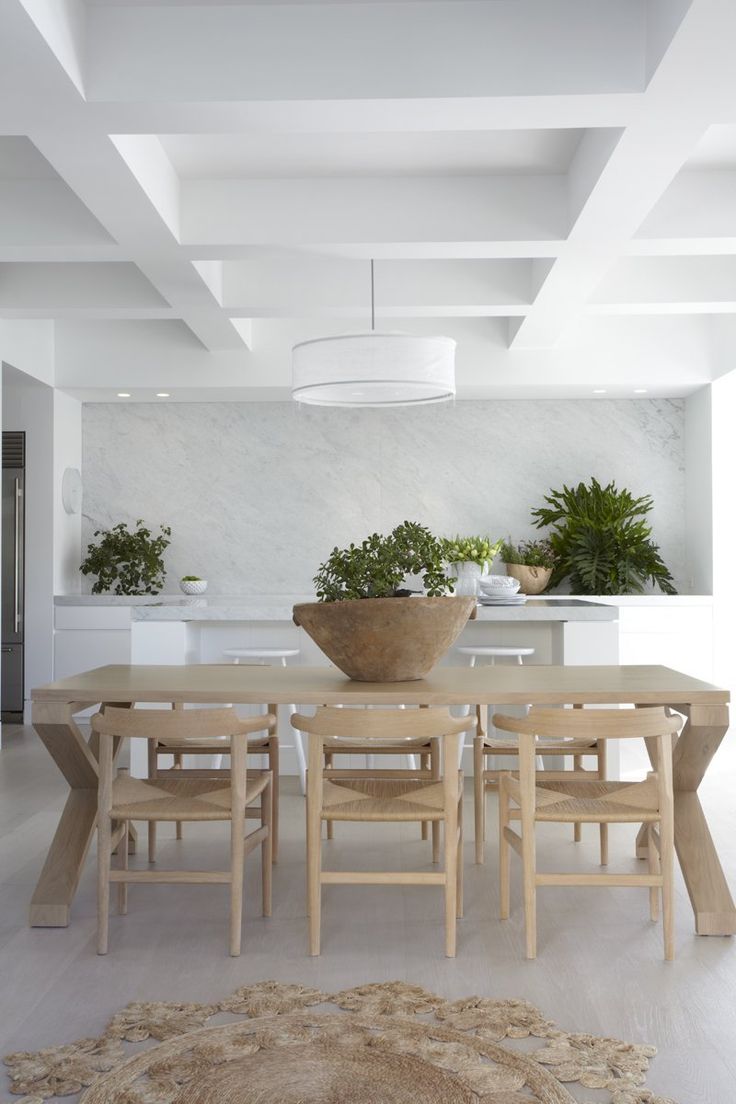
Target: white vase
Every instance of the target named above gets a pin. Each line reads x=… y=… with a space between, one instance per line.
x=466 y=575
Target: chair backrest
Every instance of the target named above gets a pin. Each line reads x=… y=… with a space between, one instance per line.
x=367 y=724
x=160 y=724
x=598 y=724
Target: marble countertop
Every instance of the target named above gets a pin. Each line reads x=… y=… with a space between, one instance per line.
x=170 y=607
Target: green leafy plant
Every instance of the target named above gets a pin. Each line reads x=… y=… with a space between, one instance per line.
x=477 y=550
x=532 y=553
x=376 y=568
x=127 y=561
x=191 y=579
x=602 y=540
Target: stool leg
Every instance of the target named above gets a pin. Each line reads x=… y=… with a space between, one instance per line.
x=178 y=760
x=602 y=774
x=577 y=761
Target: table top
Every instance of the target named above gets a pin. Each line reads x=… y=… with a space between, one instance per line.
x=243 y=684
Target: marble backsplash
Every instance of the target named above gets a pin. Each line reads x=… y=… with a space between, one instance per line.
x=257 y=494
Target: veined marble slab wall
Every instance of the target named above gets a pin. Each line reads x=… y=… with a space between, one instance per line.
x=257 y=494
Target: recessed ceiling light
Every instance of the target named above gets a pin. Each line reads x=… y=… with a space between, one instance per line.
x=599 y=390
x=123 y=394
x=640 y=390
x=162 y=395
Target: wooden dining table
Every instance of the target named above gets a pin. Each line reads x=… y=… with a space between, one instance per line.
x=705 y=708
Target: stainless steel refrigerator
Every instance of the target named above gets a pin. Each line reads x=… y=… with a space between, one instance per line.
x=13 y=560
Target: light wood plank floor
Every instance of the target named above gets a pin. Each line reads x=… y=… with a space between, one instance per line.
x=599 y=969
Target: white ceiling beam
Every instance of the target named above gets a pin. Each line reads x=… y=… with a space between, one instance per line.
x=676 y=109
x=389 y=209
x=394 y=50
x=62 y=23
x=93 y=167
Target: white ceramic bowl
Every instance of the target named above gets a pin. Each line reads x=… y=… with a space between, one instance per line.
x=192 y=586
x=495 y=584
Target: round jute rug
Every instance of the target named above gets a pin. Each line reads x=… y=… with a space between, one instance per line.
x=319 y=1058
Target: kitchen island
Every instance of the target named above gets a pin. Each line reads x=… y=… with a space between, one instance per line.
x=92 y=630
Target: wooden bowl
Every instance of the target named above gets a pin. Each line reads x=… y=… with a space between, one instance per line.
x=385 y=639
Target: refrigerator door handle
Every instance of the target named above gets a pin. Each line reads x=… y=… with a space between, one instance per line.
x=16 y=586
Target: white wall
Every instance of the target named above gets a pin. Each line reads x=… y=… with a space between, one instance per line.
x=257 y=494
x=67 y=527
x=724 y=529
x=29 y=346
x=699 y=492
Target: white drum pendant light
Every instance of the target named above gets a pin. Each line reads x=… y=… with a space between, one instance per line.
x=373 y=369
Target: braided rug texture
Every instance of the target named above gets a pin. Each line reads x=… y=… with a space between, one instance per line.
x=382 y=1043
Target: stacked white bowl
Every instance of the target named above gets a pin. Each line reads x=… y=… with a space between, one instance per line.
x=498 y=585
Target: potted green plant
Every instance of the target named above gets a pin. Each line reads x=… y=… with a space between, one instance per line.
x=602 y=540
x=192 y=584
x=469 y=558
x=531 y=562
x=127 y=561
x=366 y=620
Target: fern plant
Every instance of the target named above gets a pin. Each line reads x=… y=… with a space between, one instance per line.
x=602 y=540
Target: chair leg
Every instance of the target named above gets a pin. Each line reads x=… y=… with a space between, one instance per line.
x=104 y=854
x=152 y=841
x=300 y=755
x=329 y=826
x=424 y=762
x=434 y=762
x=314 y=878
x=667 y=860
x=267 y=848
x=577 y=763
x=178 y=762
x=450 y=849
x=654 y=868
x=273 y=766
x=460 y=864
x=237 y=860
x=504 y=873
x=479 y=799
x=528 y=841
x=123 y=886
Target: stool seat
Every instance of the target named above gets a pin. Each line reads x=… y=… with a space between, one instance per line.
x=494 y=650
x=260 y=653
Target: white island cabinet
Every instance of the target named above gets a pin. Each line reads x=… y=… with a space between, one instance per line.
x=93 y=630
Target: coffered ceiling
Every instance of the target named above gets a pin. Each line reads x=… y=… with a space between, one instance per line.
x=187 y=188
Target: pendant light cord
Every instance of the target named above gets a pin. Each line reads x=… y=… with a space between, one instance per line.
x=373 y=301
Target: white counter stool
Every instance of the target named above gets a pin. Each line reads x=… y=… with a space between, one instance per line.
x=266 y=657
x=485 y=744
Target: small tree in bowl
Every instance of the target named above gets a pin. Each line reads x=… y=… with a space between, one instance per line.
x=368 y=623
x=127 y=561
